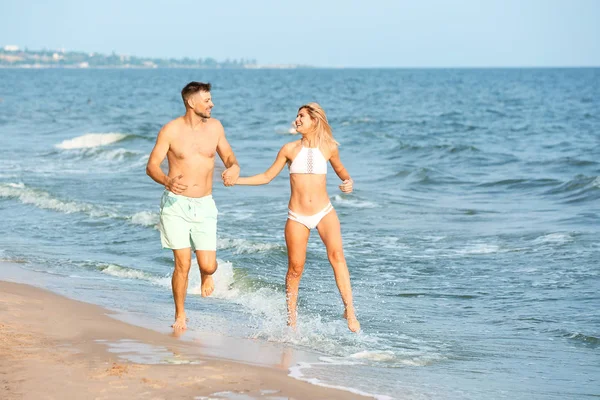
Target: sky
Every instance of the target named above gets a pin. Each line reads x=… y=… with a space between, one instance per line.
x=323 y=33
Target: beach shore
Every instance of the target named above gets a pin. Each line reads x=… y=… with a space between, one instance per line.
x=52 y=347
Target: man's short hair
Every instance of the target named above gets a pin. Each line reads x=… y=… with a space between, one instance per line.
x=193 y=88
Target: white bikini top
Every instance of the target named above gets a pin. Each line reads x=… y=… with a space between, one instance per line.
x=309 y=160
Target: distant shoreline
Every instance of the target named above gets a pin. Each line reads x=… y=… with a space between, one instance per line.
x=14 y=57
x=41 y=66
x=284 y=67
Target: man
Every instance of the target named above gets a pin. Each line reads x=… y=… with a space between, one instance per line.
x=188 y=215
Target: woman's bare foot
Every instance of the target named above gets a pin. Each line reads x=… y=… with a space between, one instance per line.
x=208 y=285
x=353 y=323
x=291 y=320
x=180 y=323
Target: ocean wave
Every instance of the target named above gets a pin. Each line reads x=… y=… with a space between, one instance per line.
x=44 y=200
x=265 y=304
x=437 y=295
x=352 y=202
x=587 y=340
x=356 y=121
x=429 y=176
x=579 y=189
x=116 y=155
x=479 y=248
x=286 y=130
x=243 y=246
x=429 y=148
x=239 y=214
x=374 y=355
x=223 y=277
x=296 y=373
x=107 y=155
x=91 y=140
x=553 y=238
x=521 y=183
x=413 y=358
x=566 y=161
x=145 y=218
x=449 y=114
x=132 y=273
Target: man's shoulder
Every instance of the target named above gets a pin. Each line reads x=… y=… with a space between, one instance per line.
x=214 y=123
x=172 y=125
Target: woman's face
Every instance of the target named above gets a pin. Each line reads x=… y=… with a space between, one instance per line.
x=304 y=123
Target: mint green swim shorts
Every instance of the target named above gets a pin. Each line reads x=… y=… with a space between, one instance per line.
x=188 y=222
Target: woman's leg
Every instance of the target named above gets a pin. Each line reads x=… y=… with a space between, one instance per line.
x=296 y=239
x=331 y=235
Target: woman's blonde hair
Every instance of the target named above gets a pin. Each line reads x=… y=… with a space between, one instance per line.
x=322 y=127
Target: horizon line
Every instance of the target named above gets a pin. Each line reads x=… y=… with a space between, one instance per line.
x=274 y=65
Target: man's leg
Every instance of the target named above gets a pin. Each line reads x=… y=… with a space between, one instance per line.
x=179 y=282
x=207 y=261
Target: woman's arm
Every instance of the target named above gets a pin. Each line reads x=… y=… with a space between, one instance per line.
x=340 y=170
x=268 y=175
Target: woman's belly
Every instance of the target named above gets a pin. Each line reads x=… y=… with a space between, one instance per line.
x=308 y=193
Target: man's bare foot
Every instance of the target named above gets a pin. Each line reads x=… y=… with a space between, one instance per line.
x=353 y=323
x=208 y=285
x=180 y=324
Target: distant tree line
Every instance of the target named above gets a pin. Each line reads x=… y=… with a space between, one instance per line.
x=78 y=59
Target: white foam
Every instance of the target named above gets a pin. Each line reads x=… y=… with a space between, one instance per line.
x=44 y=200
x=557 y=238
x=356 y=121
x=240 y=214
x=291 y=130
x=119 y=154
x=90 y=140
x=480 y=248
x=339 y=361
x=243 y=246
x=375 y=355
x=223 y=279
x=116 y=270
x=132 y=273
x=296 y=373
x=352 y=202
x=145 y=218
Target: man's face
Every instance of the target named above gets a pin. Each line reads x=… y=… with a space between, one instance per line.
x=202 y=104
x=303 y=121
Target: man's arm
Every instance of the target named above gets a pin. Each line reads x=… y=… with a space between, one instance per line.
x=341 y=171
x=226 y=154
x=158 y=154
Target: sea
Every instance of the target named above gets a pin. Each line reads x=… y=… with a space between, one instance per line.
x=472 y=236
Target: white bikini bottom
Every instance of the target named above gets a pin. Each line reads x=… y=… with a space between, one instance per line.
x=310 y=221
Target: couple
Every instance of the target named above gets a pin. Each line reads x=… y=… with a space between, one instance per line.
x=188 y=215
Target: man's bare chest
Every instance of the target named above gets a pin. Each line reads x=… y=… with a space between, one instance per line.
x=194 y=145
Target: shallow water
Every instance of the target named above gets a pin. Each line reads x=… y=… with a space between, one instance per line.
x=471 y=237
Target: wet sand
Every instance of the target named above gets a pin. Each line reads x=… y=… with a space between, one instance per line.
x=52 y=347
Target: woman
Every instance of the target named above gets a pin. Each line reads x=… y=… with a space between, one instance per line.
x=309 y=205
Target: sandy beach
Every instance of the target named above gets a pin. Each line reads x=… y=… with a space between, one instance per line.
x=52 y=347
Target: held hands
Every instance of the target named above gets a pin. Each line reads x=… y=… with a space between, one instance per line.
x=231 y=175
x=347 y=186
x=174 y=185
